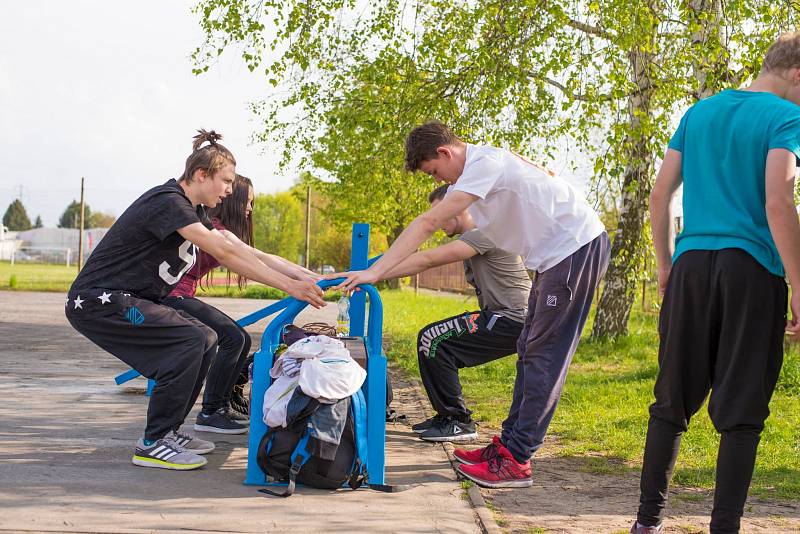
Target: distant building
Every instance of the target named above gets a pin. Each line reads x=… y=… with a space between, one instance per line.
x=8 y=243
x=33 y=244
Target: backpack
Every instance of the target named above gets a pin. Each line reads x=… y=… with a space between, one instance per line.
x=291 y=455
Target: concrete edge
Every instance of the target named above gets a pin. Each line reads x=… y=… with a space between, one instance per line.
x=484 y=516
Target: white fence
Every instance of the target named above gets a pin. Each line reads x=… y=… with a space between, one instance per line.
x=52 y=255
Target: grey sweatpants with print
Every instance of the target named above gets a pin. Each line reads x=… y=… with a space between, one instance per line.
x=558 y=306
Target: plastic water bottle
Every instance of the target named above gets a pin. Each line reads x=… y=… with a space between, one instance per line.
x=343 y=319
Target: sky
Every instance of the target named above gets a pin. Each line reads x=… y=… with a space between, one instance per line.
x=104 y=90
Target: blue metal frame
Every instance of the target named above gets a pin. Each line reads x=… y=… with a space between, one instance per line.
x=374 y=387
x=129 y=375
x=359 y=260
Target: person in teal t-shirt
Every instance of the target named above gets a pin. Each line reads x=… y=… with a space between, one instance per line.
x=723 y=141
x=724 y=311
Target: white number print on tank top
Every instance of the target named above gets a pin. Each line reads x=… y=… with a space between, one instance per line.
x=186 y=252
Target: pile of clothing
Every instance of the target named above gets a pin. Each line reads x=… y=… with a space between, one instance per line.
x=312 y=370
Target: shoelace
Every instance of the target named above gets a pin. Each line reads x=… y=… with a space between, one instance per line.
x=435 y=420
x=173 y=443
x=492 y=454
x=495 y=463
x=440 y=421
x=182 y=436
x=234 y=414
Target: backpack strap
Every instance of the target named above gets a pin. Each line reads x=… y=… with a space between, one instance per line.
x=263 y=449
x=299 y=457
x=359 y=473
x=358 y=409
x=359 y=406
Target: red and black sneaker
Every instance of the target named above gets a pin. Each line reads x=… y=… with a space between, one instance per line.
x=478 y=456
x=501 y=471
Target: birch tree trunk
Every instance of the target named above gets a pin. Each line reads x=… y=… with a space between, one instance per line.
x=613 y=310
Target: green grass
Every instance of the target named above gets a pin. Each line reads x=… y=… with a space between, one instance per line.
x=602 y=416
x=36 y=277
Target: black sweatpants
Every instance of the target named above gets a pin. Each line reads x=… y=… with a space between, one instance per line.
x=161 y=343
x=466 y=340
x=558 y=307
x=234 y=347
x=721 y=327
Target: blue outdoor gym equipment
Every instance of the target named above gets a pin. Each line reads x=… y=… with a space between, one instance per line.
x=374 y=387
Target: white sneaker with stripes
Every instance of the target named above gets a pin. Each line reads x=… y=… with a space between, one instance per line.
x=165 y=453
x=191 y=443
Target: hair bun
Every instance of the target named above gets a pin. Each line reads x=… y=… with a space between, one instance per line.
x=203 y=136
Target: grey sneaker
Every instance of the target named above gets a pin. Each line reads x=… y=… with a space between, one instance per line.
x=191 y=443
x=219 y=422
x=641 y=529
x=166 y=454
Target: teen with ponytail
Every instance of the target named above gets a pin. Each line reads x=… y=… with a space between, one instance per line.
x=233 y=219
x=114 y=301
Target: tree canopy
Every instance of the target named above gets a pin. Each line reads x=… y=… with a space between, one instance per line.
x=278 y=225
x=71 y=218
x=16 y=218
x=608 y=78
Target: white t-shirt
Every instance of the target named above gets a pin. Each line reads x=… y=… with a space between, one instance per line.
x=524 y=209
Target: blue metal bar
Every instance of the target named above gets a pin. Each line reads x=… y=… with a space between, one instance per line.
x=128 y=375
x=359 y=256
x=256 y=316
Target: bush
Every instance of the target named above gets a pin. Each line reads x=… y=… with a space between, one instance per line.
x=13 y=282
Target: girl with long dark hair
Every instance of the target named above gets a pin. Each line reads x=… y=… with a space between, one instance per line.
x=233 y=219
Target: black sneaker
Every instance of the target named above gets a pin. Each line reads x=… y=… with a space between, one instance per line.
x=419 y=428
x=236 y=415
x=219 y=422
x=450 y=429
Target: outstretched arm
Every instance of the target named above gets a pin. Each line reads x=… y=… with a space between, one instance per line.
x=241 y=262
x=273 y=261
x=426 y=259
x=412 y=237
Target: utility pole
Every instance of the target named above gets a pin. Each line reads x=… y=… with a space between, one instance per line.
x=80 y=233
x=308 y=224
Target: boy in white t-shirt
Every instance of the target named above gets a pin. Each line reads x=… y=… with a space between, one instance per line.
x=525 y=210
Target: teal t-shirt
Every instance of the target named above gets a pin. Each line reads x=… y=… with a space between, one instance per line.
x=723 y=141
